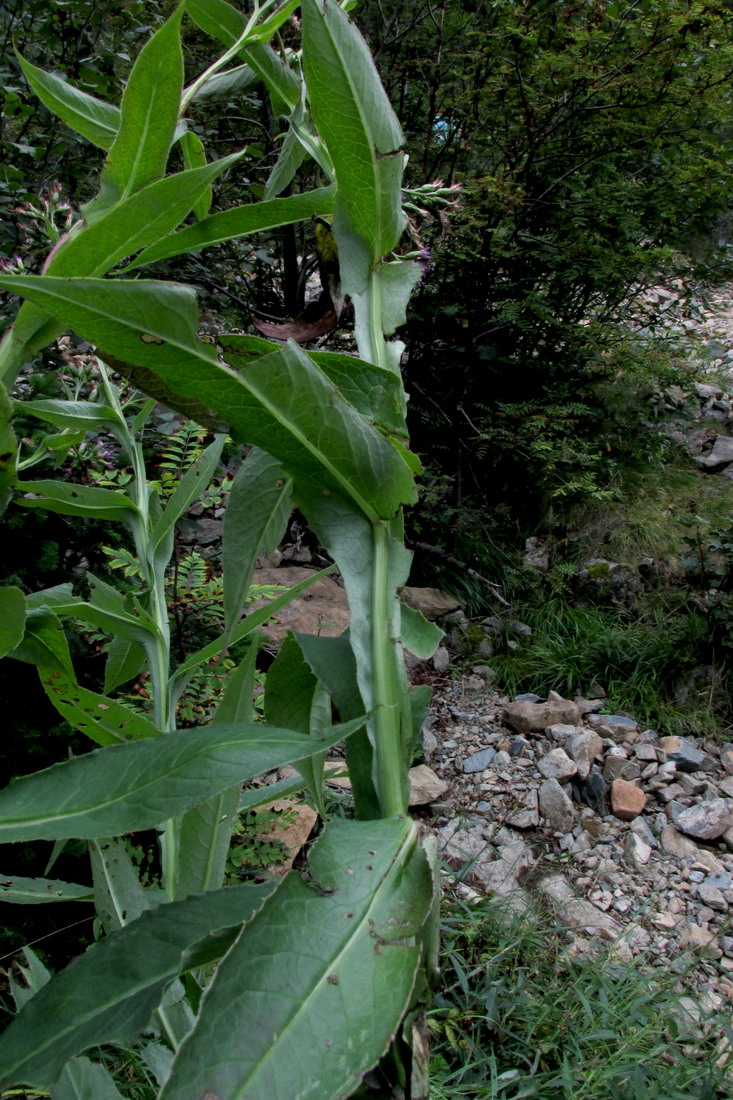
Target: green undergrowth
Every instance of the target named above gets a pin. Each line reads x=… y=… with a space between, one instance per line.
x=518 y=1018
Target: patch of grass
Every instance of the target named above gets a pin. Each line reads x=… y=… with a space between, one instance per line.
x=517 y=1018
x=645 y=663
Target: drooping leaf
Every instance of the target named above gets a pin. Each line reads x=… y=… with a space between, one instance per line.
x=138 y=785
x=41 y=891
x=44 y=642
x=106 y=721
x=259 y=506
x=148 y=117
x=291 y=156
x=194 y=156
x=227 y=225
x=77 y=500
x=82 y=1079
x=12 y=618
x=108 y=993
x=125 y=661
x=312 y=992
x=282 y=403
x=35 y=975
x=94 y=119
x=418 y=635
x=295 y=697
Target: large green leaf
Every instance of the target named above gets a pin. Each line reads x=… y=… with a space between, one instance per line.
x=77 y=500
x=282 y=403
x=374 y=392
x=227 y=225
x=139 y=784
x=86 y=415
x=148 y=215
x=12 y=618
x=257 y=512
x=41 y=891
x=227 y=24
x=312 y=992
x=109 y=993
x=354 y=117
x=148 y=117
x=94 y=119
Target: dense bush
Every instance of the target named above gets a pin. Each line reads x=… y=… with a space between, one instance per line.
x=592 y=141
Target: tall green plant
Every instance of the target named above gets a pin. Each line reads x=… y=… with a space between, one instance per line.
x=313 y=977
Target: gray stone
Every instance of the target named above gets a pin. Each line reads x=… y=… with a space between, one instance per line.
x=685 y=755
x=429 y=742
x=612 y=720
x=619 y=767
x=556 y=764
x=726 y=758
x=478 y=761
x=562 y=731
x=425 y=785
x=528 y=697
x=555 y=807
x=583 y=748
x=712 y=896
x=441 y=659
x=591 y=790
x=677 y=844
x=527 y=816
x=721 y=454
x=638 y=852
x=706 y=820
x=641 y=828
x=536 y=554
x=527 y=717
x=431 y=602
x=576 y=911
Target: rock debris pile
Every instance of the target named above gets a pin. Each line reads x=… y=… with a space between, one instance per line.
x=626 y=833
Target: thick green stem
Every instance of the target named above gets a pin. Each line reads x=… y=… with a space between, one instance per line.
x=387 y=721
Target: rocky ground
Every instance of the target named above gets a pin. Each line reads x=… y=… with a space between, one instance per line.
x=626 y=834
